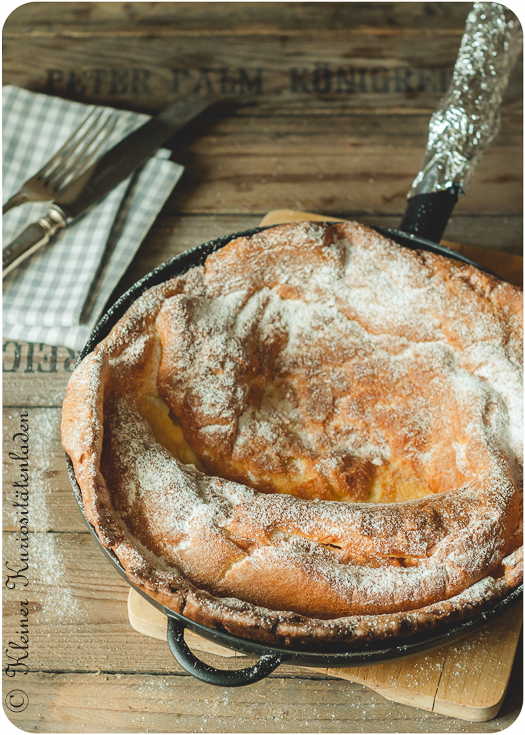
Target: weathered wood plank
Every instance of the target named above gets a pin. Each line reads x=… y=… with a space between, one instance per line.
x=272 y=51
x=171 y=235
x=35 y=374
x=59 y=702
x=374 y=179
x=404 y=70
x=477 y=230
x=52 y=506
x=213 y=18
x=77 y=607
x=349 y=166
x=224 y=133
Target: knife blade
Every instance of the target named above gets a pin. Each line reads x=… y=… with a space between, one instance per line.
x=103 y=176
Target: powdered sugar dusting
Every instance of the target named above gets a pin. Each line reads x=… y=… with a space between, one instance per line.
x=352 y=349
x=47 y=557
x=316 y=361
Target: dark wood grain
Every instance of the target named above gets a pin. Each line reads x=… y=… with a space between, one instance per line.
x=368 y=180
x=321 y=106
x=338 y=55
x=402 y=72
x=106 y=701
x=376 y=71
x=213 y=18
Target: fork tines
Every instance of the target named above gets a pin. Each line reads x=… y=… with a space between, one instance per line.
x=71 y=160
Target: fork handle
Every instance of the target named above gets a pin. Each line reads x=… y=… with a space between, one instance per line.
x=32 y=238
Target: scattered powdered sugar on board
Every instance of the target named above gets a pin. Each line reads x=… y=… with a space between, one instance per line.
x=46 y=557
x=45 y=431
x=48 y=561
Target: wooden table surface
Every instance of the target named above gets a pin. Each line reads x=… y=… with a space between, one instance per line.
x=323 y=107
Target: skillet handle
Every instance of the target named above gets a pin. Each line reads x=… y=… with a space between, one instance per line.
x=467 y=118
x=427 y=214
x=219 y=677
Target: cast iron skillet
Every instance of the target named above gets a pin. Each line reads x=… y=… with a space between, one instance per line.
x=438 y=210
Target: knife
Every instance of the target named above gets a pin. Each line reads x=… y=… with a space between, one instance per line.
x=102 y=177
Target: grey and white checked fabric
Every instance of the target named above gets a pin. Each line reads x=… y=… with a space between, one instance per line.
x=57 y=296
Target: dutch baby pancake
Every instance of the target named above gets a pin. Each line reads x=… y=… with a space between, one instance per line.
x=314 y=437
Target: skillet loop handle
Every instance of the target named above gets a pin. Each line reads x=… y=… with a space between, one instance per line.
x=219 y=677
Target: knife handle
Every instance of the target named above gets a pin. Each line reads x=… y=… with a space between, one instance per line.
x=32 y=238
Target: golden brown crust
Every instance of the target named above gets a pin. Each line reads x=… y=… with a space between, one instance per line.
x=406 y=378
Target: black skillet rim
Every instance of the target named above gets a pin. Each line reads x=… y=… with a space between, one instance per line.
x=317 y=656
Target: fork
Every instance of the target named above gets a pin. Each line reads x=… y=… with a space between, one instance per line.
x=75 y=155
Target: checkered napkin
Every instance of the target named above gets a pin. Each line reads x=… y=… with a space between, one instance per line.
x=57 y=296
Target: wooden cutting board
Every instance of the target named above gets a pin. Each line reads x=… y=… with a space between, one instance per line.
x=467 y=679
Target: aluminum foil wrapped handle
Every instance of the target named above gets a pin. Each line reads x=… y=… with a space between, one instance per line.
x=467 y=119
